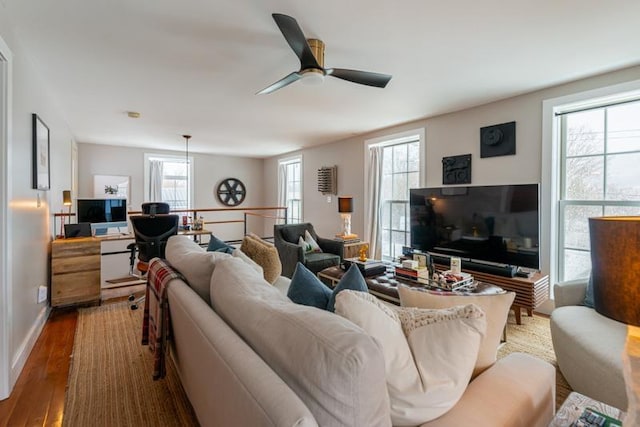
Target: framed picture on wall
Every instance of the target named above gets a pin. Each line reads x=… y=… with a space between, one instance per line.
x=40 y=156
x=111 y=187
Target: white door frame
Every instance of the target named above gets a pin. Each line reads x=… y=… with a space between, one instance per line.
x=6 y=384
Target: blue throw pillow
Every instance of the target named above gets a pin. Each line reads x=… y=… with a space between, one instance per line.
x=306 y=289
x=217 y=245
x=352 y=280
x=588 y=299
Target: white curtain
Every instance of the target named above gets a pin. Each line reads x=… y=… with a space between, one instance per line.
x=374 y=182
x=282 y=191
x=155 y=180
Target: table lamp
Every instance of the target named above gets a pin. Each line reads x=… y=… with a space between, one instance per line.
x=66 y=201
x=615 y=269
x=345 y=207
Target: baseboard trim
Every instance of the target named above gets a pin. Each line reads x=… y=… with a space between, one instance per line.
x=27 y=345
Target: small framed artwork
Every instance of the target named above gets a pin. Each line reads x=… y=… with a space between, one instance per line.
x=498 y=140
x=111 y=186
x=40 y=157
x=456 y=169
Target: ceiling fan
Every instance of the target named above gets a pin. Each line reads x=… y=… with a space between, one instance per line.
x=311 y=55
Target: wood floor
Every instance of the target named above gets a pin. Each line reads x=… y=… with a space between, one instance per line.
x=38 y=396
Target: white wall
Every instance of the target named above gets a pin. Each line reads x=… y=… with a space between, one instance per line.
x=208 y=170
x=348 y=156
x=30 y=226
x=446 y=135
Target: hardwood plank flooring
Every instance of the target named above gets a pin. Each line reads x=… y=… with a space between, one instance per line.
x=38 y=396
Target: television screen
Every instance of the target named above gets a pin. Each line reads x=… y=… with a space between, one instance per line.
x=102 y=210
x=495 y=224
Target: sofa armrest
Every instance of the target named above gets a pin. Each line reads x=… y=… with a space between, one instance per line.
x=290 y=254
x=331 y=246
x=522 y=386
x=571 y=292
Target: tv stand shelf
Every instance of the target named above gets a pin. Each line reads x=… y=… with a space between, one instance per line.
x=531 y=291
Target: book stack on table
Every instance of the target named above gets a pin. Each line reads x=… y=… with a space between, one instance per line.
x=368 y=268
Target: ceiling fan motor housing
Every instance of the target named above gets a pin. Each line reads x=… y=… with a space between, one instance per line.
x=317 y=48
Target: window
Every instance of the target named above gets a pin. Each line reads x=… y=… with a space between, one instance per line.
x=600 y=154
x=290 y=188
x=169 y=179
x=399 y=170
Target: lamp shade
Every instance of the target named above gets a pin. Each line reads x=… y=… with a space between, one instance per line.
x=345 y=204
x=66 y=197
x=615 y=267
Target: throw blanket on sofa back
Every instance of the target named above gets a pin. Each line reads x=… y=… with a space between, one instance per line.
x=156 y=323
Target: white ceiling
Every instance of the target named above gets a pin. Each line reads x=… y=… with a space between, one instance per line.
x=194 y=66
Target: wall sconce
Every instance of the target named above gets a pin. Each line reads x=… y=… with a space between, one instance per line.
x=615 y=269
x=345 y=207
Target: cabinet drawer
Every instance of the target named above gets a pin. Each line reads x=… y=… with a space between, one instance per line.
x=119 y=245
x=75 y=264
x=75 y=288
x=63 y=248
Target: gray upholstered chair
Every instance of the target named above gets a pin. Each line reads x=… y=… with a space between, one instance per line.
x=285 y=237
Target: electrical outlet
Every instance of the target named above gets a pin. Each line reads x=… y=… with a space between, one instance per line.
x=42 y=294
x=328 y=199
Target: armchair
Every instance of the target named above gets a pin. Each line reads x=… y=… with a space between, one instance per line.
x=588 y=345
x=285 y=238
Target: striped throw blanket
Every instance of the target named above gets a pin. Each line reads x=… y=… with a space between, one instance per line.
x=156 y=323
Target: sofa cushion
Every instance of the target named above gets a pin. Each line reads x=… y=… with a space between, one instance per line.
x=429 y=354
x=237 y=253
x=330 y=363
x=496 y=308
x=307 y=289
x=321 y=260
x=264 y=254
x=195 y=264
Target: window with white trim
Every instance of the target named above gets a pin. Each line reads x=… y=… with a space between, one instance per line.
x=290 y=188
x=599 y=175
x=169 y=179
x=400 y=172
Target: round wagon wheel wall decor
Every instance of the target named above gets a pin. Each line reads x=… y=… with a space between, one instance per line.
x=231 y=192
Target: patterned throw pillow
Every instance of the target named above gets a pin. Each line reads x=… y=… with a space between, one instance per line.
x=429 y=354
x=308 y=243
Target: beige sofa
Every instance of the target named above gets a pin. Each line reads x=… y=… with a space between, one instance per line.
x=588 y=346
x=250 y=356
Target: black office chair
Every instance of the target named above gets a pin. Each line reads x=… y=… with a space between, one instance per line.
x=151 y=232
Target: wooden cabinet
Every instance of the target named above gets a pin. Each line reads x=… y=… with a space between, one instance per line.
x=352 y=250
x=75 y=271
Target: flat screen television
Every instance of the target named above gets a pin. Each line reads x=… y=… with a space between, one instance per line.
x=102 y=213
x=497 y=224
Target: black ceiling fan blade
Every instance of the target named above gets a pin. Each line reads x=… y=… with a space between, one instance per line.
x=295 y=37
x=363 y=77
x=295 y=76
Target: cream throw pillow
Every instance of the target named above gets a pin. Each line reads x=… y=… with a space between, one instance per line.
x=429 y=354
x=496 y=308
x=264 y=254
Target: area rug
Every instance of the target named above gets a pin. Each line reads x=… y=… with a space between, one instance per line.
x=110 y=381
x=110 y=377
x=533 y=336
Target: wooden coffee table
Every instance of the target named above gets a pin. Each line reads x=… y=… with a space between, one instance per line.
x=573 y=406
